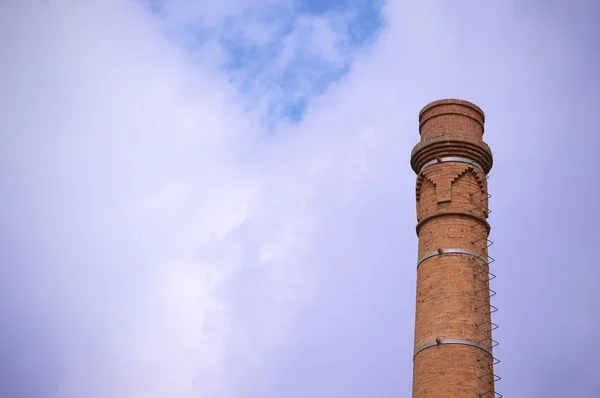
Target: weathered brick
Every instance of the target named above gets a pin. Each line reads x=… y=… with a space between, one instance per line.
x=452 y=289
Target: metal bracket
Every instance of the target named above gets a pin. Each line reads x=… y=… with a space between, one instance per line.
x=453 y=341
x=451 y=159
x=439 y=252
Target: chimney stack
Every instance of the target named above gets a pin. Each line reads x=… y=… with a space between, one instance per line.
x=453 y=329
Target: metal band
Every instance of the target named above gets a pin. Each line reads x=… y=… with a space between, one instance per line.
x=439 y=252
x=453 y=341
x=451 y=159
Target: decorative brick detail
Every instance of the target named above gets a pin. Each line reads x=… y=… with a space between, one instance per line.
x=452 y=288
x=441 y=180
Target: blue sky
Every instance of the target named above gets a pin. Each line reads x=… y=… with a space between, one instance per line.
x=283 y=52
x=214 y=199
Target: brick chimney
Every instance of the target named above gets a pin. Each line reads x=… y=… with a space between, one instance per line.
x=453 y=328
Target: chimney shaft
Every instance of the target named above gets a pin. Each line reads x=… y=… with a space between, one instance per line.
x=453 y=339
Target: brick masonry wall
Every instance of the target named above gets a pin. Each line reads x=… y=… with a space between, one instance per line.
x=452 y=289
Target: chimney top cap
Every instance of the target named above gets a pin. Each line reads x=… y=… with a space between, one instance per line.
x=452 y=101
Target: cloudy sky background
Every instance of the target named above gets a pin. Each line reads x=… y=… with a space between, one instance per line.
x=214 y=199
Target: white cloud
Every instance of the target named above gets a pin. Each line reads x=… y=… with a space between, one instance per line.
x=153 y=188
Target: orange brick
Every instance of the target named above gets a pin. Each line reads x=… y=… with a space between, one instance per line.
x=452 y=288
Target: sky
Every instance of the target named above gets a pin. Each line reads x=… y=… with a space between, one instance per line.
x=214 y=199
